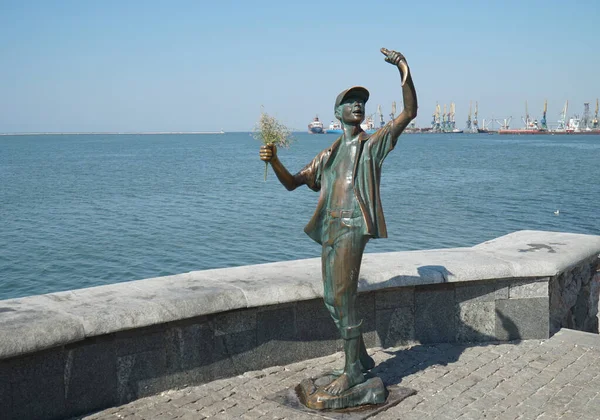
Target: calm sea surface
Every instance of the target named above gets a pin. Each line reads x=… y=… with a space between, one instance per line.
x=85 y=210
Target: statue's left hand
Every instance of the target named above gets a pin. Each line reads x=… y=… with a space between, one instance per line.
x=397 y=59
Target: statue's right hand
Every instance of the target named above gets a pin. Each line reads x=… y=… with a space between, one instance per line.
x=268 y=152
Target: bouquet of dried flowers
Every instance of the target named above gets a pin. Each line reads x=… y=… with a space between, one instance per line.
x=270 y=131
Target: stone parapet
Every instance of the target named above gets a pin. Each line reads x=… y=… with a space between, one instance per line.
x=39 y=322
x=93 y=348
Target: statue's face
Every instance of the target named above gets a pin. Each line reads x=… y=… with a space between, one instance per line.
x=351 y=111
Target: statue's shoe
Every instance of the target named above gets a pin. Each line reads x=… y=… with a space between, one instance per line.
x=372 y=391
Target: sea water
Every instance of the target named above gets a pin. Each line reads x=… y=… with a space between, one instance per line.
x=86 y=210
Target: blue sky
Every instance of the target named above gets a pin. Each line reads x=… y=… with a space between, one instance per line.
x=209 y=65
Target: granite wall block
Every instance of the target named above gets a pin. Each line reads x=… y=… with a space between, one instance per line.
x=90 y=375
x=529 y=288
x=396 y=327
x=6 y=405
x=139 y=374
x=140 y=340
x=37 y=384
x=522 y=319
x=189 y=346
x=42 y=398
x=476 y=321
x=278 y=323
x=479 y=291
x=234 y=321
x=395 y=298
x=314 y=323
x=435 y=314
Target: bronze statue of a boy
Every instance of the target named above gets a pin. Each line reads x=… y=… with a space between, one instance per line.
x=349 y=210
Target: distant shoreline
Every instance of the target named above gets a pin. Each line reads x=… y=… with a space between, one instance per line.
x=112 y=133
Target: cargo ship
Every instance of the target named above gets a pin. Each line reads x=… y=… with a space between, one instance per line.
x=532 y=127
x=577 y=125
x=368 y=125
x=334 y=128
x=316 y=126
x=519 y=131
x=572 y=126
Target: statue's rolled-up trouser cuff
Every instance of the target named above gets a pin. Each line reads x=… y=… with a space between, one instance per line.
x=351 y=332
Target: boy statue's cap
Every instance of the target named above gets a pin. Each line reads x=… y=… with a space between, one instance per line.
x=359 y=91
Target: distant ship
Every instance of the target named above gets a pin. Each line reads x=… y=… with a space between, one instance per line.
x=316 y=126
x=334 y=128
x=577 y=124
x=531 y=126
x=519 y=131
x=368 y=125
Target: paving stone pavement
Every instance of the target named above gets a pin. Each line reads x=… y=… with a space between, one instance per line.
x=558 y=378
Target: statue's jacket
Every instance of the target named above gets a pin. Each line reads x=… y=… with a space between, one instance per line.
x=366 y=175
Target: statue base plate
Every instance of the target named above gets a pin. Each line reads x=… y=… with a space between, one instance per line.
x=358 y=403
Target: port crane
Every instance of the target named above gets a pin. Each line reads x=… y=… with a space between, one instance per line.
x=595 y=120
x=562 y=126
x=393 y=113
x=529 y=123
x=472 y=125
x=445 y=120
x=452 y=121
x=526 y=120
x=485 y=125
x=381 y=122
x=585 y=120
x=469 y=123
x=435 y=122
x=505 y=123
x=543 y=123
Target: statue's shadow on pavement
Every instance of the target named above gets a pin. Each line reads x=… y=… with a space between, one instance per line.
x=438 y=312
x=408 y=361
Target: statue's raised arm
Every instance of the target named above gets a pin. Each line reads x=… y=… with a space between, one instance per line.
x=409 y=95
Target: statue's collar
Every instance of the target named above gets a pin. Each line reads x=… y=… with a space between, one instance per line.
x=362 y=136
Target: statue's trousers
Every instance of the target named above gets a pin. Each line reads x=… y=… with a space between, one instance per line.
x=343 y=247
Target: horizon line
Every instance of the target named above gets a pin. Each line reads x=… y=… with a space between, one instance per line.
x=41 y=133
x=45 y=133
